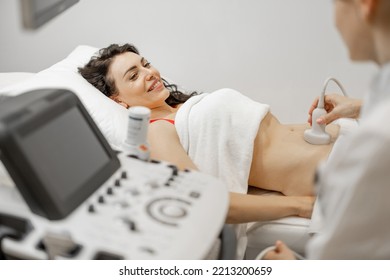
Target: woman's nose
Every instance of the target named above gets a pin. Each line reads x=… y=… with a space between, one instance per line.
x=150 y=74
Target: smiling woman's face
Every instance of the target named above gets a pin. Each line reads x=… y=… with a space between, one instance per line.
x=137 y=82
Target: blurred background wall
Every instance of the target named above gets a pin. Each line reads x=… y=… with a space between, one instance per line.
x=274 y=51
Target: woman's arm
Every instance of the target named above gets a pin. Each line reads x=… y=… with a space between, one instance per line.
x=249 y=208
x=165 y=145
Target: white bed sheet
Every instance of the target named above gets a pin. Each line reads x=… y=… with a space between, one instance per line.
x=9 y=78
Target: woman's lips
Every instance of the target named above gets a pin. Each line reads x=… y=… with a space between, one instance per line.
x=157 y=85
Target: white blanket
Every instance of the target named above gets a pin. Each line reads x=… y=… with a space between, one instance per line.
x=218 y=131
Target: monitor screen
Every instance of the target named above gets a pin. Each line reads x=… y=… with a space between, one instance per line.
x=35 y=13
x=65 y=153
x=53 y=150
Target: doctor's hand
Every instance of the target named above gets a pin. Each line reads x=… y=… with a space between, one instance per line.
x=281 y=252
x=337 y=106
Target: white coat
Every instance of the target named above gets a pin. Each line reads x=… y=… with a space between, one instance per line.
x=354 y=186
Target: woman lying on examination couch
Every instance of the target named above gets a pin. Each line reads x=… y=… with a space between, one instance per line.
x=280 y=161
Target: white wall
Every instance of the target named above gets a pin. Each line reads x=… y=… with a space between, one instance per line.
x=274 y=51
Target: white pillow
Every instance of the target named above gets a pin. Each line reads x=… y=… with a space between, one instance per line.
x=110 y=117
x=10 y=78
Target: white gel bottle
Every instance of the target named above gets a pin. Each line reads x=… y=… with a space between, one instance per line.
x=137 y=130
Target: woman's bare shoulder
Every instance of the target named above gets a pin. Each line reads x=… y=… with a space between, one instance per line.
x=162 y=128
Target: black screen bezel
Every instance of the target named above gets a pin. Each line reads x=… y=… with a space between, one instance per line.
x=42 y=199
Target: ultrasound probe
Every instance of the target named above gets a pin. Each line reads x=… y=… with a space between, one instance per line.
x=316 y=135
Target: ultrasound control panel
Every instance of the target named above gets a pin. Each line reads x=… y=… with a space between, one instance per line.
x=146 y=210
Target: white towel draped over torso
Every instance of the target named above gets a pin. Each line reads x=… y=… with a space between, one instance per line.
x=218 y=130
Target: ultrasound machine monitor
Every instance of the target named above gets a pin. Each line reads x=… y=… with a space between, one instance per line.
x=53 y=150
x=35 y=13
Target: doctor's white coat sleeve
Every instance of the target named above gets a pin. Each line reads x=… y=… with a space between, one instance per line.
x=354 y=196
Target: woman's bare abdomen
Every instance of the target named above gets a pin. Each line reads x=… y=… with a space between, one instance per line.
x=283 y=161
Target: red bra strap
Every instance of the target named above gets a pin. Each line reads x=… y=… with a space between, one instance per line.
x=168 y=120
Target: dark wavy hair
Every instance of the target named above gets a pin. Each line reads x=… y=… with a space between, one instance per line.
x=96 y=70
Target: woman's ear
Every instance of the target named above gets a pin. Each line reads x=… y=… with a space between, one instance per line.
x=368 y=9
x=120 y=102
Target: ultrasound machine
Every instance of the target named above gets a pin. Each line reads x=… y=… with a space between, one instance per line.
x=66 y=194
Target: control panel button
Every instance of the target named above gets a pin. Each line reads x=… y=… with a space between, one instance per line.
x=168 y=210
x=173 y=211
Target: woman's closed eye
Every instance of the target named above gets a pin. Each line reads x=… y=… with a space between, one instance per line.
x=147 y=64
x=135 y=75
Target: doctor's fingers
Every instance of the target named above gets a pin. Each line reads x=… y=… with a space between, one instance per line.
x=328 y=118
x=312 y=107
x=328 y=106
x=281 y=252
x=331 y=101
x=339 y=106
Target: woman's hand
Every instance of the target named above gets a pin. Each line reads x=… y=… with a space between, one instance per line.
x=337 y=106
x=281 y=252
x=305 y=206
